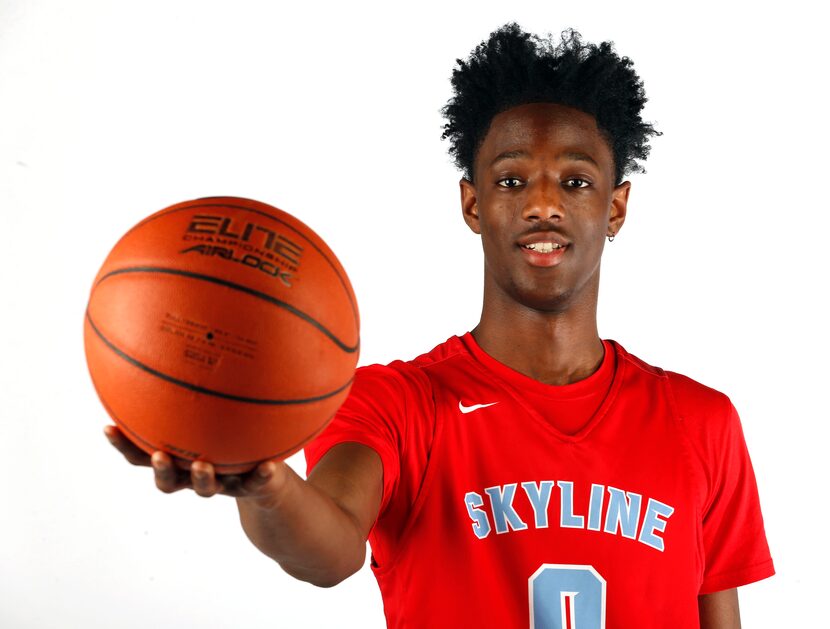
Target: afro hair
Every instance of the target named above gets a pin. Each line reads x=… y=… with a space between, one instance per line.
x=514 y=68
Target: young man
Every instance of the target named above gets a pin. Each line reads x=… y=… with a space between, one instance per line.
x=527 y=473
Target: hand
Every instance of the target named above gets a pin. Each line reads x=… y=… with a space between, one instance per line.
x=262 y=483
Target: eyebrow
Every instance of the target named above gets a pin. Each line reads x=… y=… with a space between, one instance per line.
x=508 y=155
x=580 y=157
x=571 y=155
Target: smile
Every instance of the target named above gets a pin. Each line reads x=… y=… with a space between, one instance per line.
x=543 y=254
x=543 y=247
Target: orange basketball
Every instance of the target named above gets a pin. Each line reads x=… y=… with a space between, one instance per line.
x=224 y=330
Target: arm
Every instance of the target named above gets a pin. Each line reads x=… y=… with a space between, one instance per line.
x=315 y=529
x=719 y=610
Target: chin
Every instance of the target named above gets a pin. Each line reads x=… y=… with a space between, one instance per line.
x=553 y=302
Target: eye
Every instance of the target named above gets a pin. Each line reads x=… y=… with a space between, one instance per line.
x=510 y=182
x=577 y=182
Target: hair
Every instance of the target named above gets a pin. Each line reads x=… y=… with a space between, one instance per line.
x=514 y=68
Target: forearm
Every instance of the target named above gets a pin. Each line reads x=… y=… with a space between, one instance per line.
x=305 y=531
x=720 y=610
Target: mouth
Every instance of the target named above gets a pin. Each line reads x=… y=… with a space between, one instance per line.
x=544 y=247
x=543 y=253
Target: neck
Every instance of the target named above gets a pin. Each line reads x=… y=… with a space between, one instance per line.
x=552 y=347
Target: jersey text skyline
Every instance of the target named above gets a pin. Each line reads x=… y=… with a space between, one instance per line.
x=621 y=511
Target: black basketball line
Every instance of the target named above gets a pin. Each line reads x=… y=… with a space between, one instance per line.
x=197 y=203
x=206 y=391
x=349 y=349
x=122 y=424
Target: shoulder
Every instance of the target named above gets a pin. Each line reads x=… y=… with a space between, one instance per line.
x=695 y=401
x=705 y=418
x=415 y=374
x=691 y=399
x=406 y=385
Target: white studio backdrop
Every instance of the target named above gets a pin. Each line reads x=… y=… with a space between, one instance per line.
x=112 y=110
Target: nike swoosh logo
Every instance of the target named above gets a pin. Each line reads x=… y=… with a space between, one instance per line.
x=474 y=407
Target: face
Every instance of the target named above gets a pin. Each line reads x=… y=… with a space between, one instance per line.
x=543 y=201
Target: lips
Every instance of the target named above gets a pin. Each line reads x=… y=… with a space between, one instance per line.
x=547 y=235
x=543 y=249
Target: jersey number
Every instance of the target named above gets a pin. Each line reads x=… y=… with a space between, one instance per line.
x=566 y=597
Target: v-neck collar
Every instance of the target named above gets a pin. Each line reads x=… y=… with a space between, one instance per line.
x=515 y=381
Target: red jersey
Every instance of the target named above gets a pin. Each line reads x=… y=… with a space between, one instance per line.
x=611 y=502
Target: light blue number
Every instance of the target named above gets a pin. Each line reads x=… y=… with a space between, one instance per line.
x=567 y=597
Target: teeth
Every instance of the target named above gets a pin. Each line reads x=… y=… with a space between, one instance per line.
x=543 y=247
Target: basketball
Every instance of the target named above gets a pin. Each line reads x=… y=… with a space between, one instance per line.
x=224 y=330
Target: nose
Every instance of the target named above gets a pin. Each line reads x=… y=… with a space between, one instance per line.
x=543 y=201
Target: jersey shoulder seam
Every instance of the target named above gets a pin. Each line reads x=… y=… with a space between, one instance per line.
x=639 y=363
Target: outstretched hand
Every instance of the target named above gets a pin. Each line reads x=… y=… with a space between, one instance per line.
x=261 y=483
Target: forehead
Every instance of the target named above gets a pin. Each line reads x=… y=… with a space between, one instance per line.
x=542 y=129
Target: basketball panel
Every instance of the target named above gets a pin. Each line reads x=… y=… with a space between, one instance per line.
x=158 y=415
x=210 y=336
x=256 y=250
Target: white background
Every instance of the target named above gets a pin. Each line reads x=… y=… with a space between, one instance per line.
x=112 y=110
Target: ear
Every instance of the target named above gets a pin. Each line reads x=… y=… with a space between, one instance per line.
x=469 y=205
x=619 y=206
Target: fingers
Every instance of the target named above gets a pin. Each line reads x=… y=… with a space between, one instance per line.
x=127 y=448
x=207 y=483
x=266 y=484
x=168 y=477
x=204 y=480
x=201 y=477
x=261 y=475
x=242 y=485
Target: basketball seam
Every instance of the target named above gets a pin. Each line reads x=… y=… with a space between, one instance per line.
x=349 y=349
x=197 y=203
x=299 y=444
x=206 y=391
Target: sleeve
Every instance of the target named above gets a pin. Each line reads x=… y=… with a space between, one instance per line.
x=375 y=414
x=734 y=541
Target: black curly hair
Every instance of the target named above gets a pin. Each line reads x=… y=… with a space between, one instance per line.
x=514 y=67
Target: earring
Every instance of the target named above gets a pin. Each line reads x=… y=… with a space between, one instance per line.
x=611 y=237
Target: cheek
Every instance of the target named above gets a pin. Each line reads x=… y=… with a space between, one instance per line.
x=495 y=241
x=489 y=241
x=596 y=217
x=494 y=223
x=595 y=238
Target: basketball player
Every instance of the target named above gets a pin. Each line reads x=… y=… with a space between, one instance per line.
x=527 y=473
